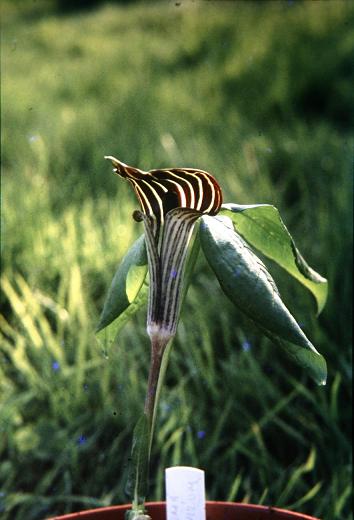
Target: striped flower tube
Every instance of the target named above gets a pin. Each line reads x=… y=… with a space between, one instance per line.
x=171 y=200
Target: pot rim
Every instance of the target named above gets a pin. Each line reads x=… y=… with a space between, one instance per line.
x=211 y=503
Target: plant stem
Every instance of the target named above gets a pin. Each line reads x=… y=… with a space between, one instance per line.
x=157 y=374
x=160 y=348
x=155 y=365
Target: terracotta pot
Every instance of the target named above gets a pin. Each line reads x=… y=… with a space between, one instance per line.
x=214 y=511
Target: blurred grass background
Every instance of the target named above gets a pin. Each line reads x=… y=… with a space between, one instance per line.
x=261 y=95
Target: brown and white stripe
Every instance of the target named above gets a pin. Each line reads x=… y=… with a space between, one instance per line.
x=159 y=191
x=171 y=200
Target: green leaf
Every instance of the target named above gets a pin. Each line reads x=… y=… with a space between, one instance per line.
x=262 y=227
x=128 y=290
x=314 y=364
x=246 y=281
x=137 y=484
x=108 y=334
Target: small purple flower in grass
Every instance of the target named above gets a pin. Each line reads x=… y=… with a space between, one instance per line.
x=81 y=440
x=246 y=346
x=55 y=366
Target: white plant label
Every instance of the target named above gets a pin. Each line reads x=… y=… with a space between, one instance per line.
x=185 y=493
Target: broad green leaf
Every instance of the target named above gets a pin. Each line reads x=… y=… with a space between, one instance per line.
x=126 y=285
x=262 y=227
x=246 y=281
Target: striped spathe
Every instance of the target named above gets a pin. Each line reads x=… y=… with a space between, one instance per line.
x=161 y=190
x=171 y=201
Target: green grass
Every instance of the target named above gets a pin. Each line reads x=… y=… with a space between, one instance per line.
x=260 y=95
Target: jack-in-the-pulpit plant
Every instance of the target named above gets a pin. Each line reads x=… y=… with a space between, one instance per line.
x=181 y=210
